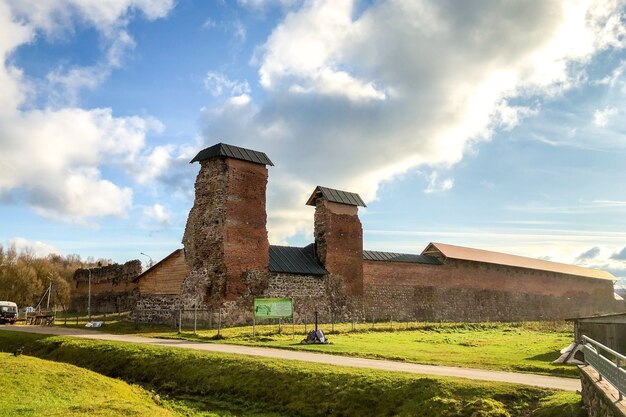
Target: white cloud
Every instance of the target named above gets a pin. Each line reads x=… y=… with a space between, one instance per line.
x=65 y=86
x=438 y=185
x=358 y=96
x=218 y=84
x=37 y=248
x=159 y=214
x=304 y=53
x=56 y=17
x=52 y=157
x=602 y=117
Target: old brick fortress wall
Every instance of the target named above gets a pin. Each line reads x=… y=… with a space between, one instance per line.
x=226 y=263
x=113 y=287
x=474 y=291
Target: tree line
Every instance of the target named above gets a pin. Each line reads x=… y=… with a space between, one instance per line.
x=24 y=277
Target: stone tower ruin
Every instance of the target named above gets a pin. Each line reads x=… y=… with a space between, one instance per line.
x=339 y=235
x=225 y=237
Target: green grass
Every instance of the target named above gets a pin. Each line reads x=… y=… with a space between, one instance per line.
x=36 y=387
x=520 y=347
x=251 y=386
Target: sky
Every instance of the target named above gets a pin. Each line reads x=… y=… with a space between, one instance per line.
x=491 y=124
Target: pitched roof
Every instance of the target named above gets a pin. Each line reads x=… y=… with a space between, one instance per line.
x=293 y=260
x=177 y=252
x=374 y=255
x=232 y=151
x=602 y=318
x=480 y=255
x=336 y=196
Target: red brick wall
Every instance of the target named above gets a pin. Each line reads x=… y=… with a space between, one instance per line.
x=468 y=291
x=339 y=240
x=467 y=274
x=246 y=246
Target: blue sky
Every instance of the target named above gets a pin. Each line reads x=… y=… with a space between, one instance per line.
x=497 y=125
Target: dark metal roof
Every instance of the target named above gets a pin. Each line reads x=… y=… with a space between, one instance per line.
x=598 y=317
x=292 y=260
x=336 y=196
x=232 y=151
x=374 y=255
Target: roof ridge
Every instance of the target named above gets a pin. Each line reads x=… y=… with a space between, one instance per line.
x=232 y=151
x=461 y=252
x=336 y=196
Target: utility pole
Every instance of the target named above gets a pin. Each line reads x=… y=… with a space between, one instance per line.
x=49 y=292
x=89 y=296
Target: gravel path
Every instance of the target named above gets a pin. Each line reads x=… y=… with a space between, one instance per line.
x=567 y=384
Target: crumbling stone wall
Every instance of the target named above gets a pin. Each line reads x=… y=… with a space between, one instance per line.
x=309 y=293
x=204 y=233
x=156 y=308
x=225 y=237
x=112 y=287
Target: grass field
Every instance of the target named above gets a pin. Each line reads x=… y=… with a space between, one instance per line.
x=36 y=387
x=247 y=386
x=521 y=347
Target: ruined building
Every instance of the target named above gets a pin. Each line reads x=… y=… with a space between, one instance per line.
x=227 y=261
x=113 y=287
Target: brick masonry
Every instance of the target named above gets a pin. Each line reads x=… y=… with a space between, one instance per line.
x=339 y=242
x=113 y=287
x=225 y=236
x=471 y=291
x=226 y=257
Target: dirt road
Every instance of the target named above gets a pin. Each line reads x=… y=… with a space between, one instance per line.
x=567 y=384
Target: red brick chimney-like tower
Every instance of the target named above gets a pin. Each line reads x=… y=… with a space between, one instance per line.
x=226 y=234
x=339 y=235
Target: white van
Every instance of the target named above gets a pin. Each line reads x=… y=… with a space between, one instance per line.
x=8 y=312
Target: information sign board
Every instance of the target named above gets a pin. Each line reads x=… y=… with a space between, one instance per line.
x=273 y=308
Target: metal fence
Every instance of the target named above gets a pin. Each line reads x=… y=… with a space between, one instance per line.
x=607 y=362
x=217 y=319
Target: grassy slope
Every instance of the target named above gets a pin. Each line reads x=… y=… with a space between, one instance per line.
x=251 y=386
x=521 y=347
x=35 y=387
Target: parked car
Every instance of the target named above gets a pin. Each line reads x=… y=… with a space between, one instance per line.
x=8 y=312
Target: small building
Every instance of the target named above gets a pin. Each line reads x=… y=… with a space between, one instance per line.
x=608 y=329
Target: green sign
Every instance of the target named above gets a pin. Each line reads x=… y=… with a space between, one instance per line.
x=273 y=308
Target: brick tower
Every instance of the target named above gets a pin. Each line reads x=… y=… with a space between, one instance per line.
x=339 y=235
x=226 y=235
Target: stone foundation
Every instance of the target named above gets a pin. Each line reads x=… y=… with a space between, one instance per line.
x=430 y=303
x=600 y=398
x=105 y=302
x=156 y=309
